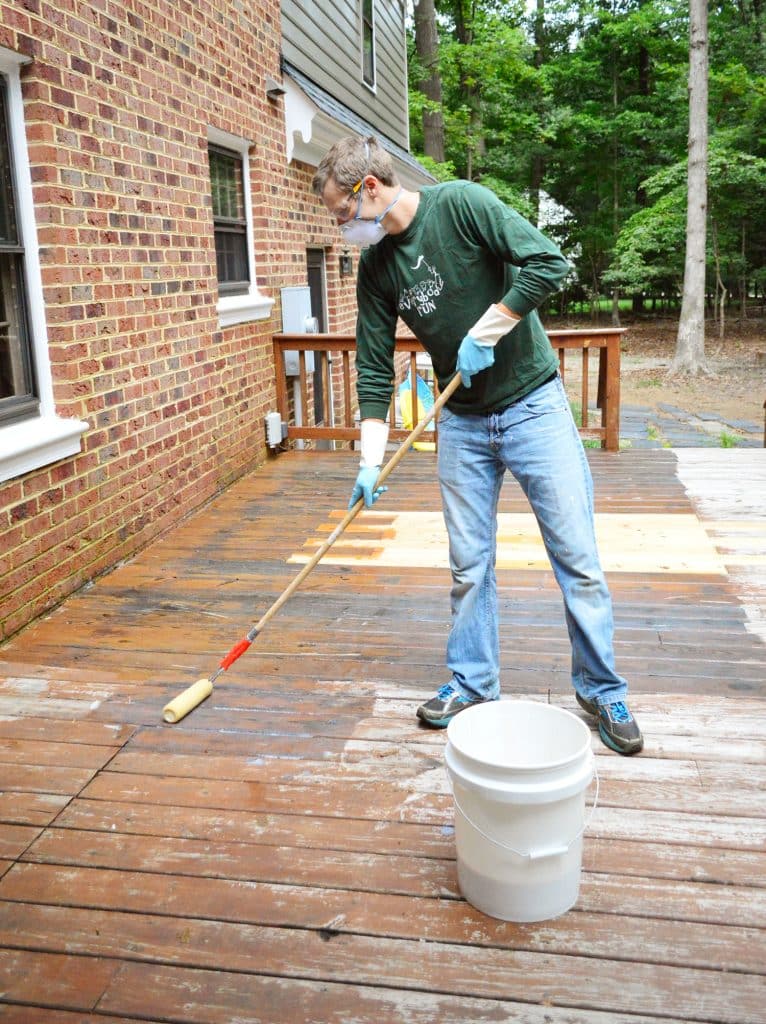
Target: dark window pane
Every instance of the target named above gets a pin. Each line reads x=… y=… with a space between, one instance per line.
x=8 y=233
x=368 y=63
x=227 y=188
x=17 y=391
x=17 y=379
x=231 y=258
x=368 y=43
x=226 y=181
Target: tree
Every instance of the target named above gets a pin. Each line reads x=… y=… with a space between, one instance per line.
x=649 y=253
x=484 y=66
x=649 y=250
x=427 y=46
x=617 y=80
x=588 y=102
x=538 y=161
x=690 y=341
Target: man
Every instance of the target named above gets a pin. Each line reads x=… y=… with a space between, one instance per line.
x=466 y=274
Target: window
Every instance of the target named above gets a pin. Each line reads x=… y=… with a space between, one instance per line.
x=368 y=42
x=229 y=221
x=239 y=300
x=31 y=434
x=17 y=387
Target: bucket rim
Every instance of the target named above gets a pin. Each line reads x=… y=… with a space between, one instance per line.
x=514 y=788
x=456 y=725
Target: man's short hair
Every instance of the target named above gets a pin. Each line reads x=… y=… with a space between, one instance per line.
x=349 y=160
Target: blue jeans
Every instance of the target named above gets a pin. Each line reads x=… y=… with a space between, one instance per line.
x=537 y=440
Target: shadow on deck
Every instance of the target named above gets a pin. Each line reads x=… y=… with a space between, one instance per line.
x=285 y=853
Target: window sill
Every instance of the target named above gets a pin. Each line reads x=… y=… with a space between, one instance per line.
x=30 y=444
x=239 y=309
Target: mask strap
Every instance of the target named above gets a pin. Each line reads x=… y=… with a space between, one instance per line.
x=359 y=189
x=390 y=206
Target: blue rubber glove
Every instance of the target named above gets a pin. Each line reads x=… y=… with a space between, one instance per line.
x=472 y=358
x=365 y=487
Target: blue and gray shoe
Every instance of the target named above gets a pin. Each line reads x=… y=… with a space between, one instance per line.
x=616 y=725
x=441 y=709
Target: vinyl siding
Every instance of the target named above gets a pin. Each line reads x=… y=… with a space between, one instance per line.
x=323 y=39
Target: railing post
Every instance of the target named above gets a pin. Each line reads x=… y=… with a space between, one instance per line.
x=611 y=409
x=585 y=395
x=281 y=382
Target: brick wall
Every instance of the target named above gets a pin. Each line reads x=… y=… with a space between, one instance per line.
x=118 y=99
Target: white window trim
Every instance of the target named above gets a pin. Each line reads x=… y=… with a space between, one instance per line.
x=44 y=438
x=253 y=305
x=372 y=86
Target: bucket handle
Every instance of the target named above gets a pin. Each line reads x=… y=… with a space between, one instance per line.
x=555 y=851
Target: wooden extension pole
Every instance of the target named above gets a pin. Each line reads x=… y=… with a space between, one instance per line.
x=191 y=697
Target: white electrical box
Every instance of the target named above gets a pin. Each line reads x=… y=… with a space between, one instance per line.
x=297 y=319
x=274 y=432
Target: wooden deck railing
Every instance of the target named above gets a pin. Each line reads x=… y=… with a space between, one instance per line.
x=333 y=362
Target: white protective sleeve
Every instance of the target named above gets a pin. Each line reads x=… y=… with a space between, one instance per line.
x=374 y=440
x=493 y=326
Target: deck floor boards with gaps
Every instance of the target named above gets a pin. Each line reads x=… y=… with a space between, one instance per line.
x=286 y=853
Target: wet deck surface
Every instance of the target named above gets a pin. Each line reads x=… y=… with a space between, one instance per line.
x=286 y=854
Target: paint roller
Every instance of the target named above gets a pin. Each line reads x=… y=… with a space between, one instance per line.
x=191 y=697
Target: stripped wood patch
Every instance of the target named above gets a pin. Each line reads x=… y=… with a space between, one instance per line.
x=633 y=542
x=286 y=854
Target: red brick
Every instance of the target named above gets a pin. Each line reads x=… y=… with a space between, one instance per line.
x=116 y=131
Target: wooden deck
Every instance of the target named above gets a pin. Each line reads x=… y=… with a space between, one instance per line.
x=286 y=854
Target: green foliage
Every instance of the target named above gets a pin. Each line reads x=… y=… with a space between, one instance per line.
x=590 y=105
x=649 y=251
x=441 y=171
x=510 y=194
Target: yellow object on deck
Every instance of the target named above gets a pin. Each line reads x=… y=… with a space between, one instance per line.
x=425 y=403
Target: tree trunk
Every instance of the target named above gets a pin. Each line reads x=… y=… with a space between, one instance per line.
x=690 y=343
x=743 y=276
x=427 y=46
x=538 y=165
x=470 y=92
x=644 y=88
x=719 y=302
x=757 y=21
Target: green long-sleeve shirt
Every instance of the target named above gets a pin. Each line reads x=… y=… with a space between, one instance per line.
x=463 y=251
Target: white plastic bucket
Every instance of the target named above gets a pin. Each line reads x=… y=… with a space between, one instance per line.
x=519 y=771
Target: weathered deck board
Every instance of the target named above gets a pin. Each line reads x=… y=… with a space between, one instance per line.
x=24 y=808
x=286 y=853
x=394 y=876
x=337 y=955
x=231 y=835
x=729 y=799
x=686 y=941
x=220 y=996
x=14 y=839
x=55 y=980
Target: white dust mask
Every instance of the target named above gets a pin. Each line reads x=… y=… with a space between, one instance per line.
x=363 y=232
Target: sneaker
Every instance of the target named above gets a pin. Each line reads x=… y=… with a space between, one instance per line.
x=617 y=727
x=448 y=702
